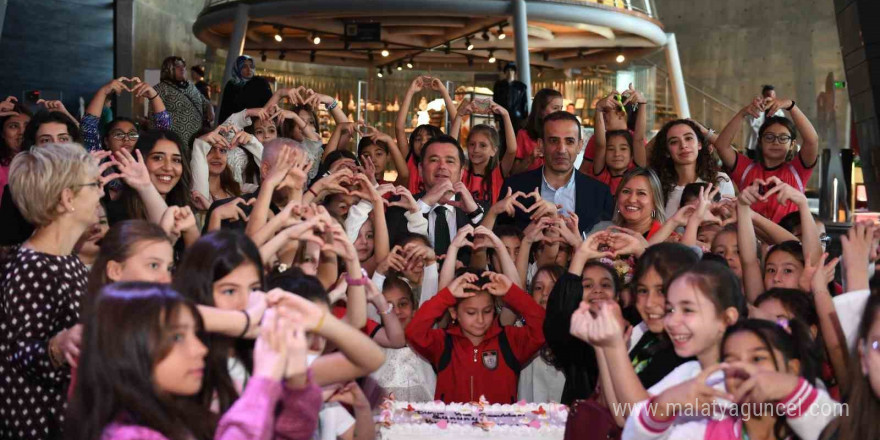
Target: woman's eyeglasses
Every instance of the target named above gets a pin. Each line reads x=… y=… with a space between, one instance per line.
x=97 y=184
x=121 y=136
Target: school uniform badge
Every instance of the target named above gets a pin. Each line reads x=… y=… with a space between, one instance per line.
x=490 y=359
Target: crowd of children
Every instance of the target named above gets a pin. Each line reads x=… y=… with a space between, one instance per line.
x=251 y=281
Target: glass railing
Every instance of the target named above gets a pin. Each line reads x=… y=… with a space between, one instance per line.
x=643 y=6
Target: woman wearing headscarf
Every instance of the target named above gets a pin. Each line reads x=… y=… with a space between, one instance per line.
x=188 y=107
x=244 y=90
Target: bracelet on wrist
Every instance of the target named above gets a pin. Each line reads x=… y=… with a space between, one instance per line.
x=313 y=192
x=387 y=310
x=247 y=324
x=320 y=322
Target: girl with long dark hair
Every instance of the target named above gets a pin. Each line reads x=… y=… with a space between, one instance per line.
x=681 y=156
x=143 y=363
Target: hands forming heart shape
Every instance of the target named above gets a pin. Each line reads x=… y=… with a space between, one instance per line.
x=763 y=189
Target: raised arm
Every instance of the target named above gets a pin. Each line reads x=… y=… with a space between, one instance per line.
x=723 y=143
x=509 y=140
x=810 y=139
x=600 y=137
x=358 y=355
x=437 y=84
x=333 y=108
x=809 y=233
x=640 y=153
x=464 y=108
x=400 y=123
x=336 y=138
x=391 y=334
x=753 y=280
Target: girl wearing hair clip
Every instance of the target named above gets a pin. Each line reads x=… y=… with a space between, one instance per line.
x=764 y=362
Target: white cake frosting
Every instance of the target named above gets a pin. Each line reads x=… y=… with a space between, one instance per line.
x=463 y=421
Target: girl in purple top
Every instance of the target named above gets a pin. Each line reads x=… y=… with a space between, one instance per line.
x=142 y=363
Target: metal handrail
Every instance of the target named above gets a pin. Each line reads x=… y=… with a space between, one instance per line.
x=701 y=91
x=646 y=7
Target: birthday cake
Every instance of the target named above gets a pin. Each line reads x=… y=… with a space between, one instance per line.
x=463 y=421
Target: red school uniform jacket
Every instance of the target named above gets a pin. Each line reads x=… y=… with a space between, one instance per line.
x=491 y=369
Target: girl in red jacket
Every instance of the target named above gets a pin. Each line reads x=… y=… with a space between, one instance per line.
x=476 y=356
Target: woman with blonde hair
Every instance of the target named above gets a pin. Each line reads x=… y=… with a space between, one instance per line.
x=58 y=189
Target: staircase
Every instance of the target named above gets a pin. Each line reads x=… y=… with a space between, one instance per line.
x=706 y=108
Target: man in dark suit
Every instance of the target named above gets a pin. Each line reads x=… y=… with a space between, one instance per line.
x=562 y=188
x=446 y=202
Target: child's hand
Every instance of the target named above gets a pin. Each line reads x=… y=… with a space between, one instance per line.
x=590 y=247
x=692 y=393
x=627 y=242
x=297 y=351
x=784 y=192
x=683 y=214
x=417 y=253
x=603 y=330
x=465 y=281
x=508 y=204
x=374 y=295
x=289 y=304
x=815 y=277
x=461 y=239
x=270 y=351
x=759 y=386
x=394 y=260
x=498 y=284
x=750 y=194
x=351 y=395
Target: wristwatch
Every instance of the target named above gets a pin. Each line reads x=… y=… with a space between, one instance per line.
x=475 y=213
x=363 y=280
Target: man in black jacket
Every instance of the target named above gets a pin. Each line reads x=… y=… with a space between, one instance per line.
x=561 y=187
x=446 y=203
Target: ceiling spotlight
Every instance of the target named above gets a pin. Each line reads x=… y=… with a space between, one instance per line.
x=448 y=48
x=468 y=44
x=399 y=65
x=379 y=72
x=485 y=35
x=278 y=37
x=312 y=57
x=470 y=60
x=385 y=52
x=409 y=64
x=281 y=55
x=263 y=55
x=491 y=56
x=315 y=38
x=501 y=34
x=620 y=58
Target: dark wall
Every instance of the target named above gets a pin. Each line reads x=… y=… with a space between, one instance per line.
x=57 y=45
x=860 y=45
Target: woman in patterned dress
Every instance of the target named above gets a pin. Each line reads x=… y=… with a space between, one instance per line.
x=58 y=188
x=189 y=109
